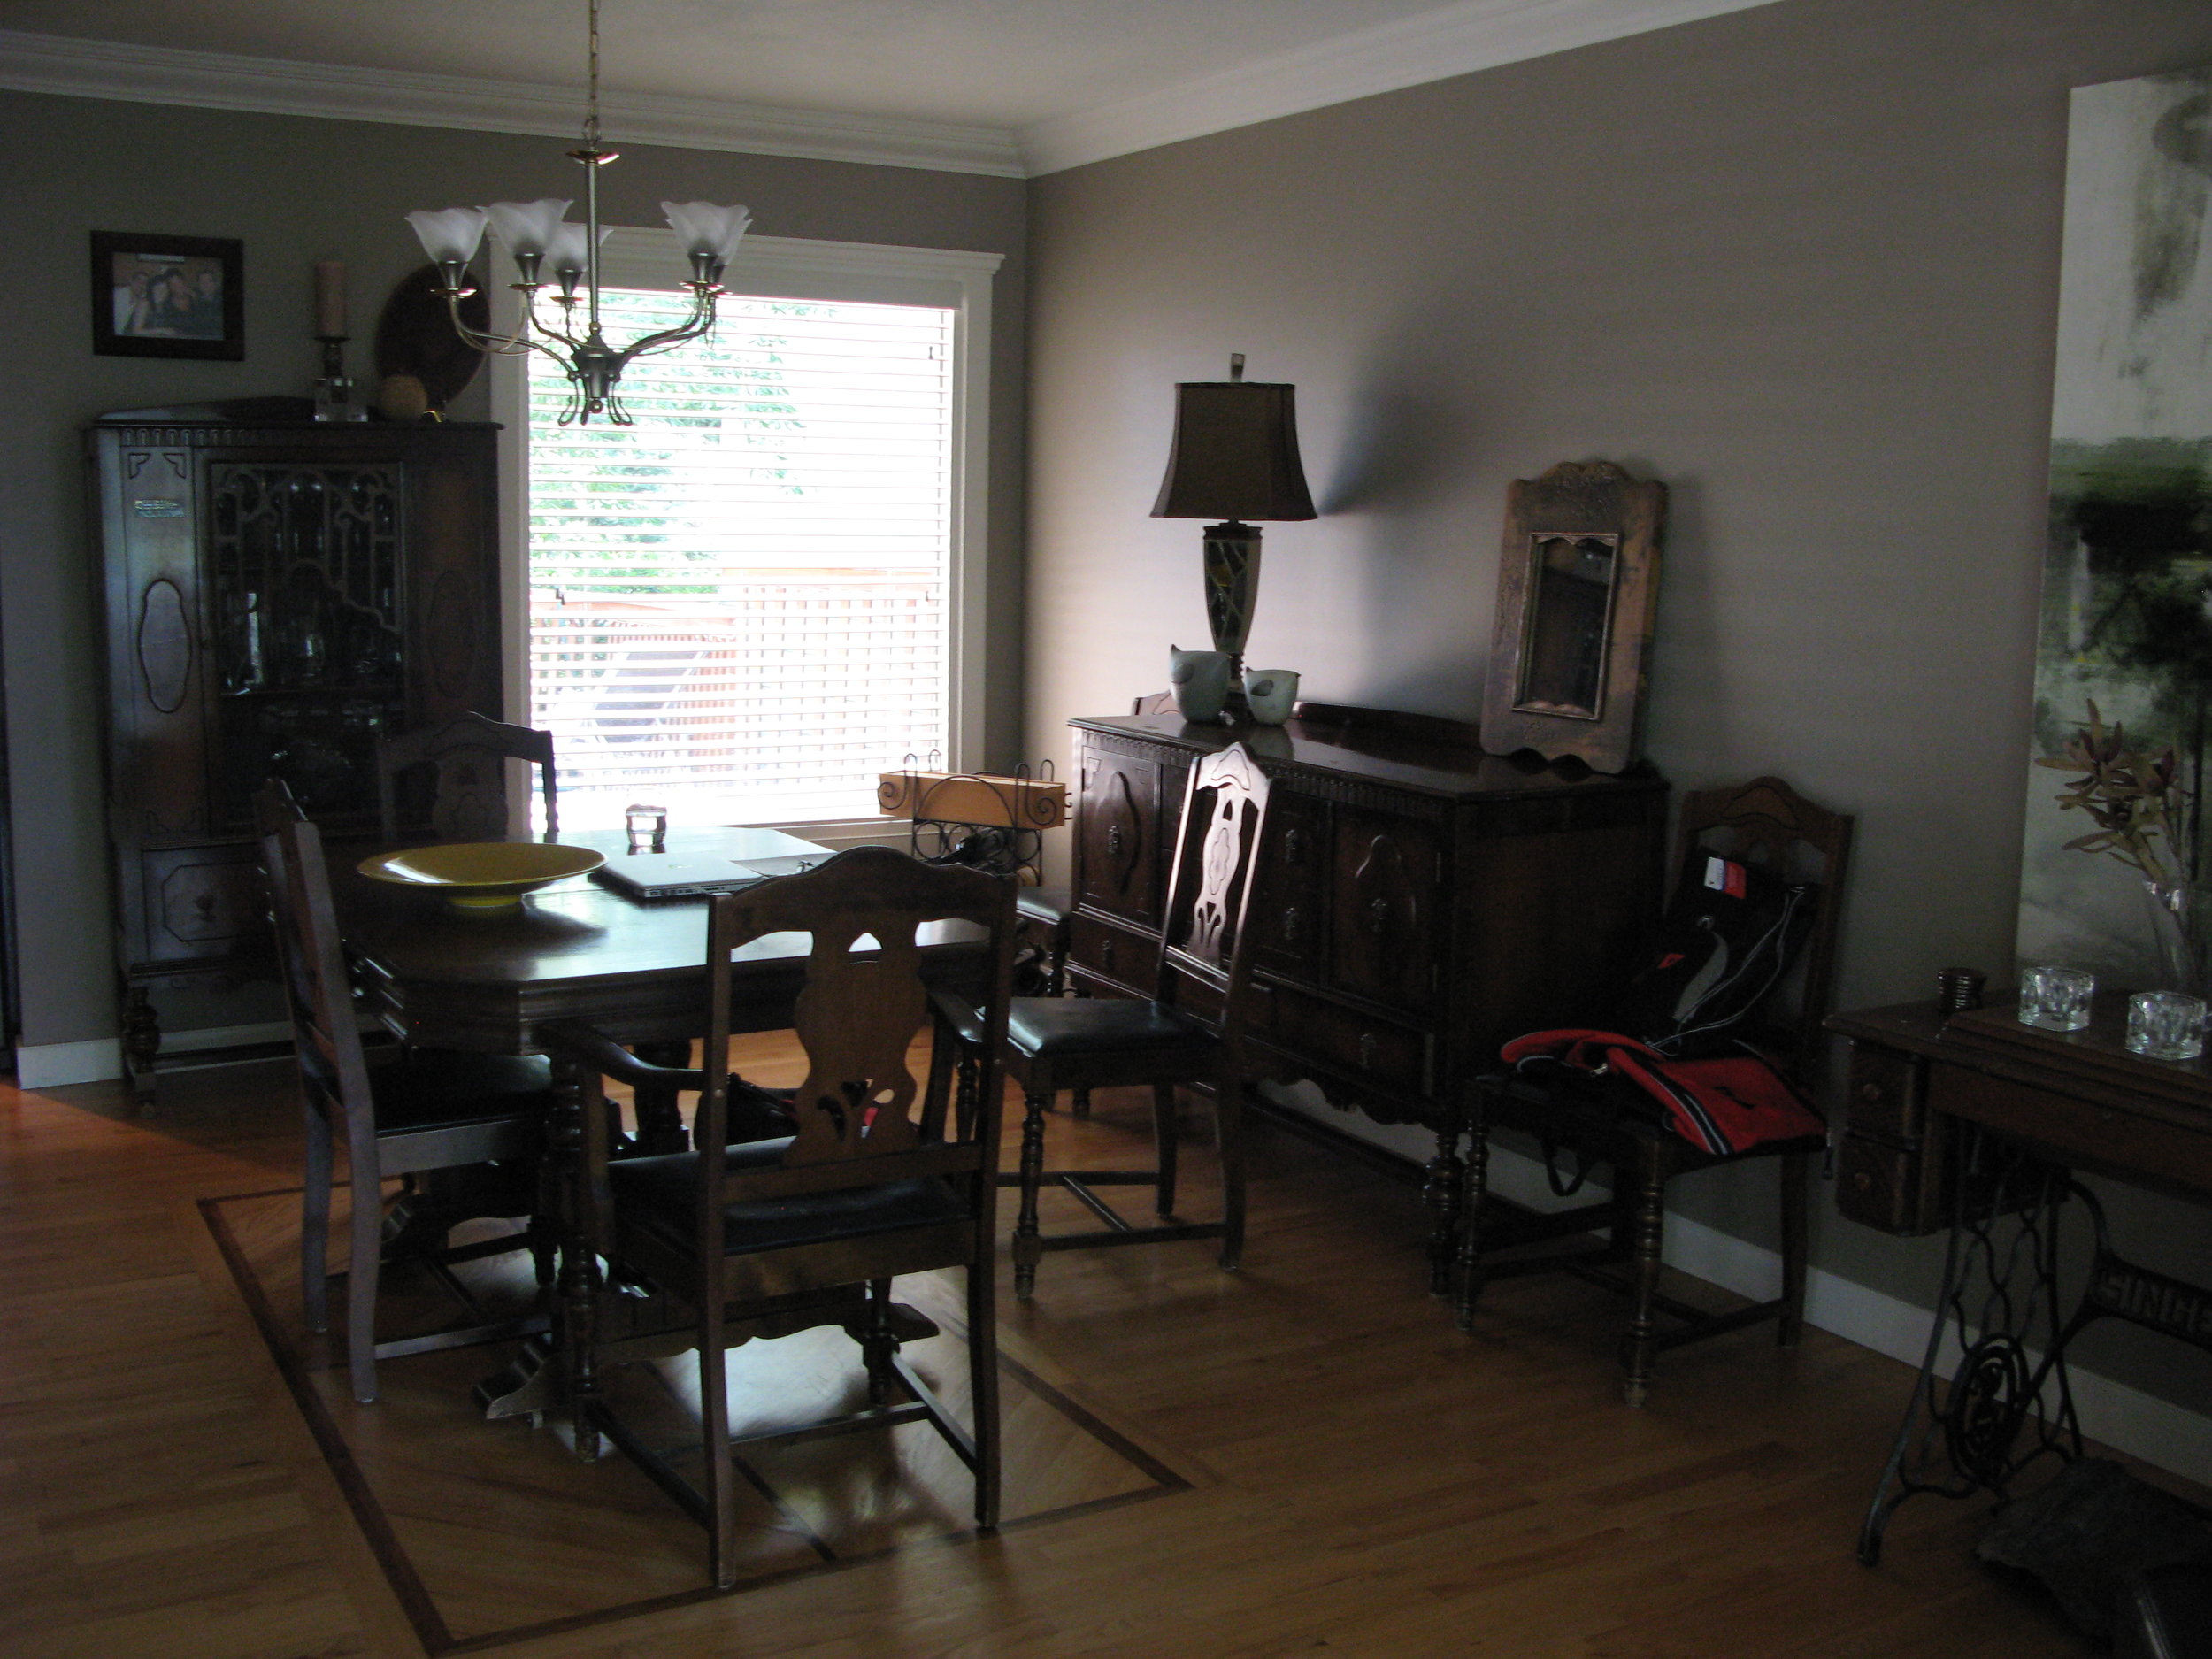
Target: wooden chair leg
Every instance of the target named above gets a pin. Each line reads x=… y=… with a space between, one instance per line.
x=1650 y=1224
x=1467 y=1277
x=1229 y=1136
x=315 y=1224
x=1796 y=1172
x=364 y=1258
x=878 y=1345
x=983 y=1385
x=1164 y=1141
x=1027 y=1251
x=719 y=1477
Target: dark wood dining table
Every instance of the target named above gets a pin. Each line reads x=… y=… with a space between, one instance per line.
x=635 y=970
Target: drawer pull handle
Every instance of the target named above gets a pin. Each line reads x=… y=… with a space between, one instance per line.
x=1871 y=1092
x=1106 y=954
x=1367 y=1050
x=1291 y=924
x=1293 y=844
x=1113 y=839
x=1378 y=916
x=1862 y=1181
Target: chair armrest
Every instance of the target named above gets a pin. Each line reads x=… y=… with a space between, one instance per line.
x=573 y=1040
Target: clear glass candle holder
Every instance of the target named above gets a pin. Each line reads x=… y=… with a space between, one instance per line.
x=2053 y=998
x=2165 y=1025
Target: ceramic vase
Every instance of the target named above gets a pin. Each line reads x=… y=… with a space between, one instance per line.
x=1201 y=681
x=1273 y=692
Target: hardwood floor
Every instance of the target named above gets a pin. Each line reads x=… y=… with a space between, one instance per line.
x=1364 y=1480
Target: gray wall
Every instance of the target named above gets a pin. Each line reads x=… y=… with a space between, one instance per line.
x=1800 y=262
x=297 y=190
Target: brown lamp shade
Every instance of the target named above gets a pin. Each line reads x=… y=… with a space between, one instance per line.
x=1235 y=455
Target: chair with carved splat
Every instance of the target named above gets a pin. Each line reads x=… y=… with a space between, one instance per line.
x=468 y=757
x=1187 y=1033
x=809 y=1229
x=1766 y=825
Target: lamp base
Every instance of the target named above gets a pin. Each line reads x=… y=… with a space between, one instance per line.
x=1232 y=588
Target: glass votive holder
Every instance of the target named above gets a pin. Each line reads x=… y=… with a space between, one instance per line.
x=2165 y=1025
x=2056 y=999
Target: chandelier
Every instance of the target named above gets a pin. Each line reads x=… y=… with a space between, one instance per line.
x=539 y=240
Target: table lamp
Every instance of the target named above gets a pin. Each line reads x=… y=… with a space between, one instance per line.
x=1235 y=457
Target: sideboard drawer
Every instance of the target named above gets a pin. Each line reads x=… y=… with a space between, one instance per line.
x=1128 y=956
x=1377 y=1052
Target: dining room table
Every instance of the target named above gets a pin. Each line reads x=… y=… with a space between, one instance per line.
x=435 y=976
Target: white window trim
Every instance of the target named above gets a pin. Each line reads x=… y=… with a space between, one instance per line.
x=788 y=267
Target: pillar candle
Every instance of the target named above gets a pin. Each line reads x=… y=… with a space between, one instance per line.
x=330 y=298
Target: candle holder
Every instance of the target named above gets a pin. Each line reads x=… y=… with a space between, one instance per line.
x=334 y=392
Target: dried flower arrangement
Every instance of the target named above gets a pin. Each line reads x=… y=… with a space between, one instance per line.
x=2139 y=801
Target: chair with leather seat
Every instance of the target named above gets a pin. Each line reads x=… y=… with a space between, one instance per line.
x=811 y=1228
x=1767 y=826
x=1187 y=1033
x=410 y=1112
x=468 y=756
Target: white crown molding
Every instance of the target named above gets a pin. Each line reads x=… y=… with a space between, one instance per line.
x=221 y=81
x=1434 y=46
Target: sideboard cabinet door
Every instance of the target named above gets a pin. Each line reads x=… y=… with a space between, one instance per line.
x=1389 y=898
x=1119 y=837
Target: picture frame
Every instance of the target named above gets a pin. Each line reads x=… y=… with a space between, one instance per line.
x=1577 y=590
x=168 y=296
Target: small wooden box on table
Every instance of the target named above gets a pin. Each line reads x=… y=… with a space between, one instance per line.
x=1420 y=901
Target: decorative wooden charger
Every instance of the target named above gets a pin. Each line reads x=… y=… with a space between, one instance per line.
x=415 y=336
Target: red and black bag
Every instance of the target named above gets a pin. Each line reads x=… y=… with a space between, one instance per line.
x=1721 y=1104
x=1728 y=939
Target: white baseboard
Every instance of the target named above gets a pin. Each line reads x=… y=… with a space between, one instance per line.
x=2157 y=1431
x=58 y=1065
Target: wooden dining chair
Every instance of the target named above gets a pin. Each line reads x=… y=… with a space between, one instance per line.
x=417 y=1111
x=811 y=1228
x=468 y=791
x=1608 y=1121
x=1188 y=1033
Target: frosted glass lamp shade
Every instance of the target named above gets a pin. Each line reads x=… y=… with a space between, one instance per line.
x=703 y=229
x=526 y=228
x=567 y=252
x=450 y=237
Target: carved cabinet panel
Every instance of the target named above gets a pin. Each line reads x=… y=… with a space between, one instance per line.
x=1387 y=894
x=1118 y=821
x=279 y=595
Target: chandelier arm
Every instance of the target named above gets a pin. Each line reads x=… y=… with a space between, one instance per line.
x=702 y=318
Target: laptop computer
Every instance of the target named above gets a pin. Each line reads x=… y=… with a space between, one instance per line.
x=662 y=876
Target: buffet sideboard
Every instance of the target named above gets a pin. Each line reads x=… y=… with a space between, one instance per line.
x=1420 y=901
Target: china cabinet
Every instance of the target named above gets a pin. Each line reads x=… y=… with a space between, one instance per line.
x=279 y=595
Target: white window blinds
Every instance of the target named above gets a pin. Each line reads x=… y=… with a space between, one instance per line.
x=738 y=603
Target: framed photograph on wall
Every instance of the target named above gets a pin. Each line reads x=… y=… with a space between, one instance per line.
x=168 y=296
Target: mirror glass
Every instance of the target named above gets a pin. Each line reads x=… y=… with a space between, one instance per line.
x=1571 y=581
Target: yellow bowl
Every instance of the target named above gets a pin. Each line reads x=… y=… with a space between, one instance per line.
x=483 y=875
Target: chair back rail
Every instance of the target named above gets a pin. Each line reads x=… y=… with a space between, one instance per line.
x=317 y=989
x=1209 y=888
x=863 y=1004
x=470 y=803
x=1766 y=822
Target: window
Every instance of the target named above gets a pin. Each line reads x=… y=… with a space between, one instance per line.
x=766 y=590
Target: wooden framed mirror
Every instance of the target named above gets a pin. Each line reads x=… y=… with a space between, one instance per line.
x=1578 y=586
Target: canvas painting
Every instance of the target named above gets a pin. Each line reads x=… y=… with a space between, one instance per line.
x=2127 y=588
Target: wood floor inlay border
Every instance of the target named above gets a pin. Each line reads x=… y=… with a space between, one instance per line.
x=411 y=1580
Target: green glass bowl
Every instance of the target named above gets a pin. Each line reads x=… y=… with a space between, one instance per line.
x=479 y=876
